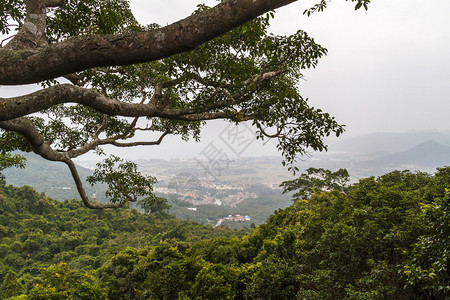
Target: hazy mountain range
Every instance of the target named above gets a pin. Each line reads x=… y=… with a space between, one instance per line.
x=389 y=141
x=365 y=155
x=429 y=154
x=379 y=153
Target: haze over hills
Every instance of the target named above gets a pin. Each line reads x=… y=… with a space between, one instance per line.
x=389 y=141
x=425 y=156
x=378 y=153
x=52 y=178
x=249 y=185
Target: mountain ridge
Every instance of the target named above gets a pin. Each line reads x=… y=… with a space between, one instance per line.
x=388 y=141
x=429 y=154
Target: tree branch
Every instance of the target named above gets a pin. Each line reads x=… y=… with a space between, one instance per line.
x=32 y=32
x=66 y=93
x=235 y=116
x=82 y=192
x=27 y=129
x=16 y=107
x=141 y=143
x=55 y=3
x=113 y=141
x=84 y=52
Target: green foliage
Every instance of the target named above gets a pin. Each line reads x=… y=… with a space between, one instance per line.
x=154 y=205
x=10 y=10
x=349 y=245
x=329 y=246
x=428 y=265
x=322 y=5
x=61 y=282
x=125 y=183
x=215 y=282
x=90 y=16
x=8 y=160
x=11 y=285
x=37 y=232
x=10 y=141
x=315 y=180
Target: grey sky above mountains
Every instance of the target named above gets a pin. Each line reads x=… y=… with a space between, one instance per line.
x=387 y=69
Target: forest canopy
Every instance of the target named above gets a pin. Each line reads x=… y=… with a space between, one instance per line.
x=383 y=238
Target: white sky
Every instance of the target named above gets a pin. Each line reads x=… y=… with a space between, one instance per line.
x=387 y=69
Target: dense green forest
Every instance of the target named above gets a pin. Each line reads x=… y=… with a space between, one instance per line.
x=381 y=238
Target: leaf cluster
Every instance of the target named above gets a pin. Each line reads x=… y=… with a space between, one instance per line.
x=8 y=160
x=78 y=17
x=125 y=183
x=10 y=11
x=322 y=5
x=315 y=180
x=428 y=265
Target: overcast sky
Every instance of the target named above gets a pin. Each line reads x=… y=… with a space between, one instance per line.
x=387 y=69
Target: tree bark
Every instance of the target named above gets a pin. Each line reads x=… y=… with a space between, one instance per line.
x=16 y=107
x=84 y=52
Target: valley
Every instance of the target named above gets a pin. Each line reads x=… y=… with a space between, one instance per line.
x=247 y=186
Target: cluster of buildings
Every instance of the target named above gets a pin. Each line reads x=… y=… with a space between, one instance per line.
x=226 y=195
x=235 y=218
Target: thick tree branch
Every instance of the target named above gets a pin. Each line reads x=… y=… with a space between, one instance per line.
x=34 y=138
x=32 y=32
x=66 y=93
x=16 y=107
x=84 y=52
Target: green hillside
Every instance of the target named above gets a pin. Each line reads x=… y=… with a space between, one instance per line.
x=52 y=178
x=37 y=231
x=382 y=238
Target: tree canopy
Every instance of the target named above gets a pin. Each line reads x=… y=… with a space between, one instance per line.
x=105 y=78
x=385 y=238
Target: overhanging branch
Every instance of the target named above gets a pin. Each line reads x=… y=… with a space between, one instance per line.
x=82 y=192
x=27 y=129
x=12 y=108
x=84 y=52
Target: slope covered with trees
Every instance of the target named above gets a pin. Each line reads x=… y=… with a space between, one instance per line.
x=36 y=232
x=381 y=238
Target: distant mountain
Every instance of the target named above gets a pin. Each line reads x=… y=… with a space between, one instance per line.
x=428 y=155
x=389 y=141
x=52 y=178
